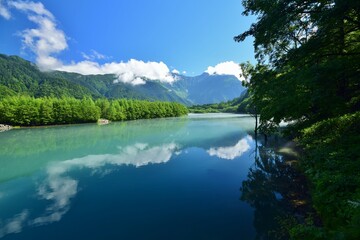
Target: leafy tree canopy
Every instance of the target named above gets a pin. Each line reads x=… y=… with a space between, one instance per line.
x=308 y=56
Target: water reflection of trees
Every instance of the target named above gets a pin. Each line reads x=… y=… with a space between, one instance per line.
x=277 y=192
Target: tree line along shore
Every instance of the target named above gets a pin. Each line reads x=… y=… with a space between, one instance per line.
x=30 y=111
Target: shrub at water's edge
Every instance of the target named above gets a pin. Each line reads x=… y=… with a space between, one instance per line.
x=332 y=165
x=29 y=111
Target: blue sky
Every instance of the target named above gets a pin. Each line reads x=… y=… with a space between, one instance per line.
x=186 y=35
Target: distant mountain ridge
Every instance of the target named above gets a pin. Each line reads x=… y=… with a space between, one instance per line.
x=206 y=89
x=18 y=76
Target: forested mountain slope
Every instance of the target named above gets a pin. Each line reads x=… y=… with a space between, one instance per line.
x=18 y=76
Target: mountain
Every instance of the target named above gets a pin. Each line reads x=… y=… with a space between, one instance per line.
x=18 y=76
x=206 y=89
x=105 y=86
x=203 y=89
x=236 y=105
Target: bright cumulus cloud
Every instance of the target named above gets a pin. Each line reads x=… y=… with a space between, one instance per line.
x=226 y=68
x=46 y=40
x=133 y=71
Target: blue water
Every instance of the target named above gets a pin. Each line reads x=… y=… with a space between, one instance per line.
x=177 y=178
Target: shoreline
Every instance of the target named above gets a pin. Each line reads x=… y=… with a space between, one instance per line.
x=4 y=127
x=102 y=121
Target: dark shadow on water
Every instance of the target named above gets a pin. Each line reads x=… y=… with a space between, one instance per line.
x=276 y=190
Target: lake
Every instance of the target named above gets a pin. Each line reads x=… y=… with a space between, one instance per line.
x=196 y=177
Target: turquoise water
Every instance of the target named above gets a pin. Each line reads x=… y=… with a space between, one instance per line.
x=177 y=178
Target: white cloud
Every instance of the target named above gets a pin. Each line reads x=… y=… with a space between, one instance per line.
x=226 y=68
x=232 y=152
x=45 y=40
x=86 y=56
x=175 y=71
x=133 y=71
x=84 y=67
x=4 y=12
x=94 y=55
x=34 y=7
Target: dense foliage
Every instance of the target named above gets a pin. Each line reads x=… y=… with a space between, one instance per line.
x=332 y=163
x=308 y=72
x=18 y=76
x=30 y=111
x=308 y=59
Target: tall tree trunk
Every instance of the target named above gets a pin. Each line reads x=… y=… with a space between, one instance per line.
x=256 y=124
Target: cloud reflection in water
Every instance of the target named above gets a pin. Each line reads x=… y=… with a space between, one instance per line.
x=60 y=189
x=231 y=152
x=15 y=224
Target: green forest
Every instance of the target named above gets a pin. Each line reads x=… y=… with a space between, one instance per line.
x=30 y=111
x=308 y=74
x=237 y=105
x=21 y=77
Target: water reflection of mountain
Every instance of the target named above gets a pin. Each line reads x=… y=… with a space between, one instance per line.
x=26 y=150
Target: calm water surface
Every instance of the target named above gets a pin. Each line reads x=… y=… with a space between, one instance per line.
x=179 y=178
